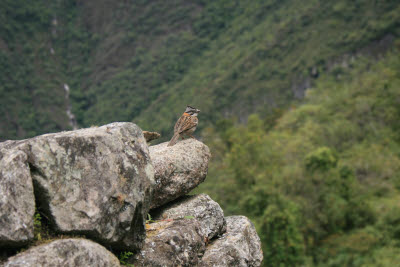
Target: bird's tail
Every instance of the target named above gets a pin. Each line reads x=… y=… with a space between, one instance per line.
x=174 y=139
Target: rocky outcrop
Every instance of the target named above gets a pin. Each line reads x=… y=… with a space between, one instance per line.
x=181 y=232
x=200 y=207
x=65 y=252
x=185 y=236
x=178 y=169
x=172 y=243
x=17 y=202
x=97 y=182
x=239 y=246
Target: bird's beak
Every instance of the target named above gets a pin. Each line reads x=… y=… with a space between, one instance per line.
x=198 y=110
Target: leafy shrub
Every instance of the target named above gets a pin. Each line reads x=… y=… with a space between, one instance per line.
x=124 y=256
x=322 y=158
x=282 y=239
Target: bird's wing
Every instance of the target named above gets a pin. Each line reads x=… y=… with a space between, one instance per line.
x=185 y=123
x=178 y=123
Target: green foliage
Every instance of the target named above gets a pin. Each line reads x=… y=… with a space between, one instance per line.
x=31 y=77
x=315 y=183
x=390 y=224
x=149 y=219
x=263 y=51
x=319 y=177
x=41 y=229
x=282 y=238
x=124 y=256
x=37 y=220
x=37 y=225
x=321 y=159
x=126 y=61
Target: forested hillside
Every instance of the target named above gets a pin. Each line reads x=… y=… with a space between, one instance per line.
x=299 y=100
x=143 y=61
x=321 y=182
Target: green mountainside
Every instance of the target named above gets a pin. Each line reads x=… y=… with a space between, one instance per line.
x=143 y=61
x=300 y=104
x=322 y=182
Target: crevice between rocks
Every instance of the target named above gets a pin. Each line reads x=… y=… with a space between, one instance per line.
x=137 y=223
x=42 y=208
x=42 y=198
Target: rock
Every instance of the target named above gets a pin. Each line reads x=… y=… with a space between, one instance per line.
x=172 y=243
x=178 y=169
x=17 y=202
x=8 y=144
x=150 y=136
x=239 y=246
x=65 y=252
x=201 y=207
x=96 y=182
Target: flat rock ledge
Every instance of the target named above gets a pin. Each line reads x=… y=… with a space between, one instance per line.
x=96 y=182
x=178 y=169
x=65 y=252
x=201 y=207
x=239 y=246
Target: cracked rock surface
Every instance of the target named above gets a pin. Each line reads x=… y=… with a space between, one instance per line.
x=65 y=252
x=178 y=169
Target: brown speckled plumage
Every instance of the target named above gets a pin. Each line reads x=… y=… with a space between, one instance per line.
x=185 y=125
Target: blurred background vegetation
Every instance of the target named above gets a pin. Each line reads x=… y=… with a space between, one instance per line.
x=300 y=104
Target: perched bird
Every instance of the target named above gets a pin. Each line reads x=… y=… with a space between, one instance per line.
x=185 y=125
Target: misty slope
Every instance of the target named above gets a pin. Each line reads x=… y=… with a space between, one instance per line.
x=144 y=61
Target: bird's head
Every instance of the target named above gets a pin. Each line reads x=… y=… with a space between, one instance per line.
x=192 y=111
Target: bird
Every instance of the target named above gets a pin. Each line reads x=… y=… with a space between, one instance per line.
x=185 y=125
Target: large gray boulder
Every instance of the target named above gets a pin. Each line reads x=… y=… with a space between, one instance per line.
x=17 y=202
x=96 y=182
x=201 y=207
x=172 y=243
x=239 y=246
x=65 y=252
x=178 y=169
